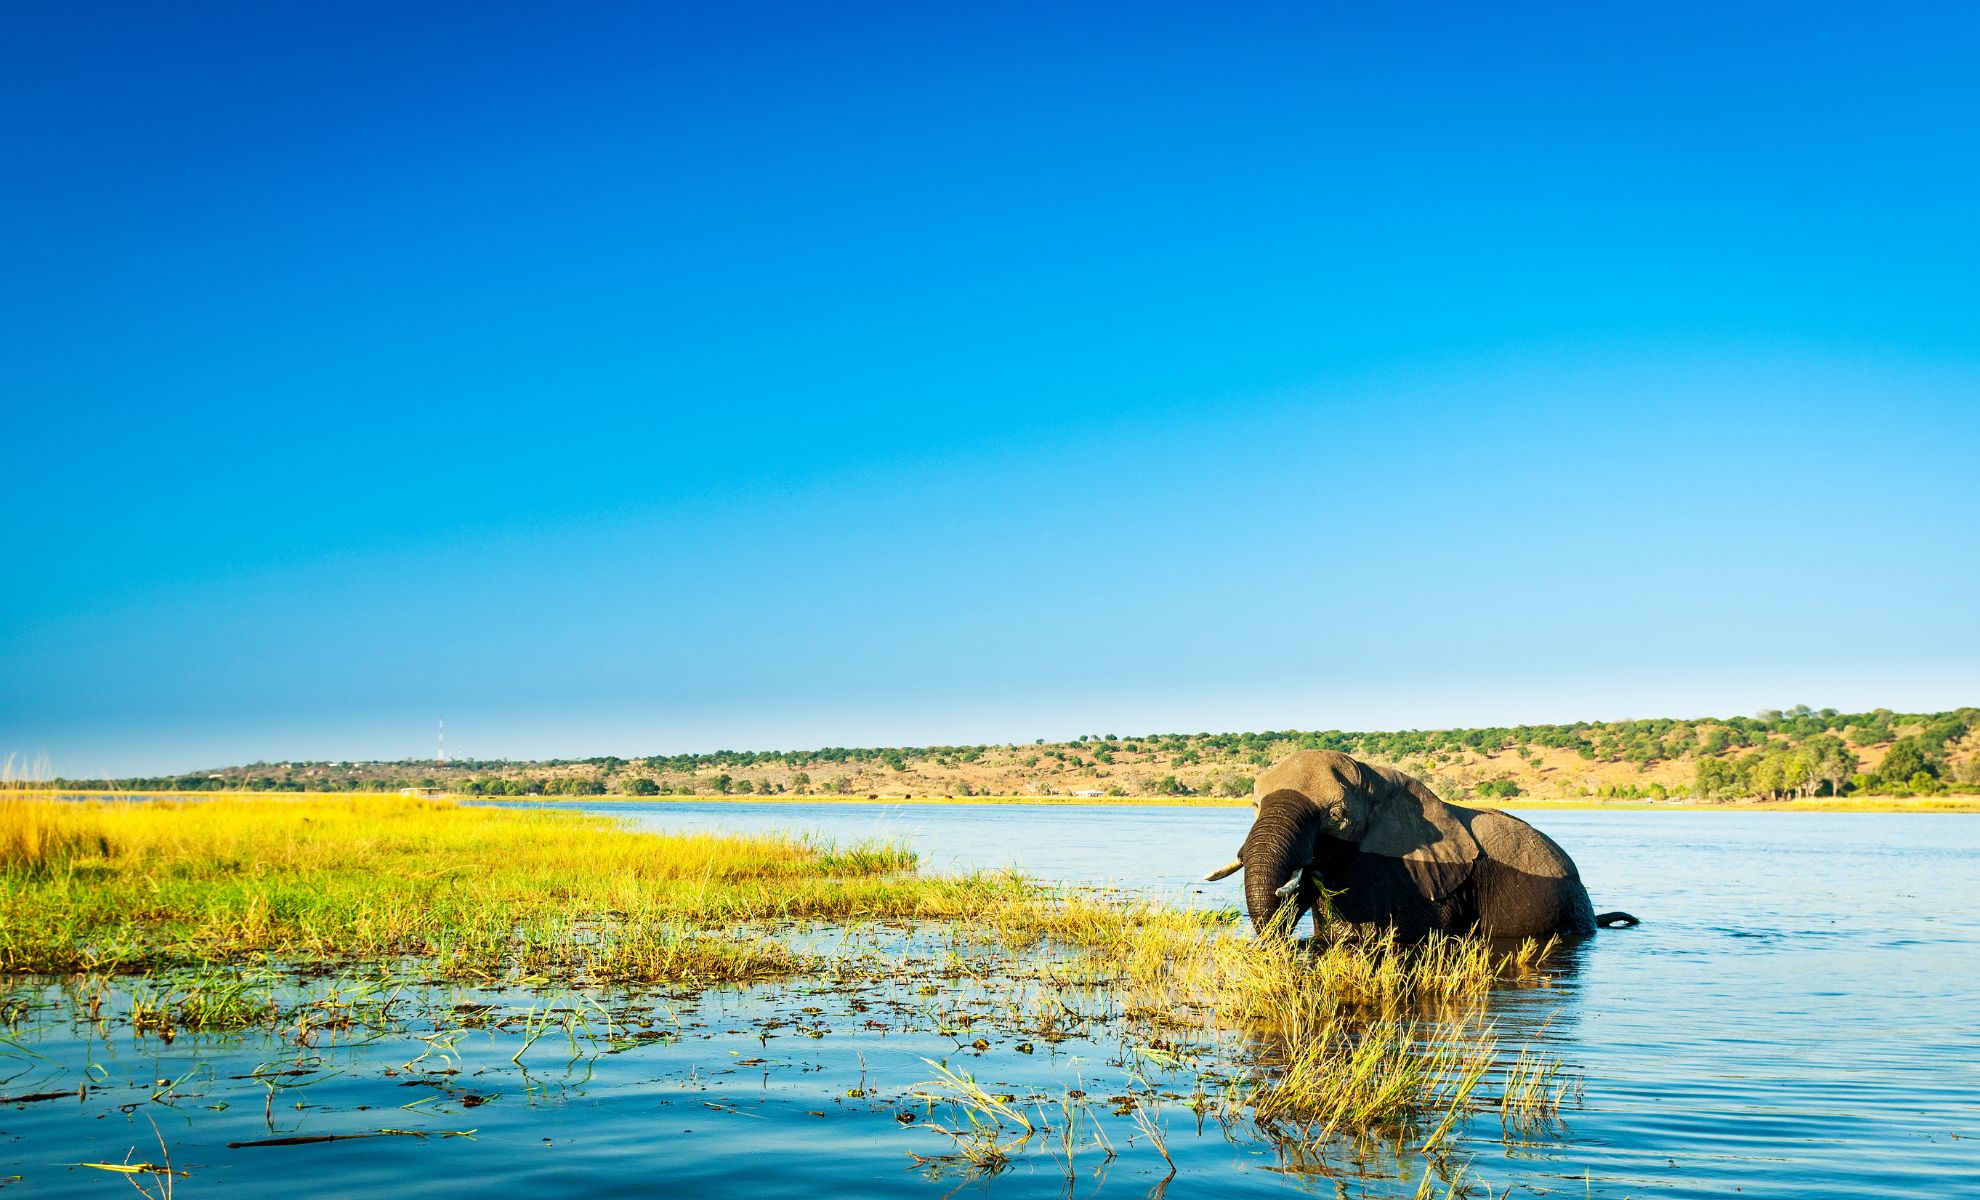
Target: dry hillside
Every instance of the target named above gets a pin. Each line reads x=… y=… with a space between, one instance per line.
x=1799 y=752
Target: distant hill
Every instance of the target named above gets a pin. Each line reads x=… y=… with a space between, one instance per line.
x=1800 y=752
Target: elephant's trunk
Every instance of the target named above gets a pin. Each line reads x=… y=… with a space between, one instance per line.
x=1279 y=846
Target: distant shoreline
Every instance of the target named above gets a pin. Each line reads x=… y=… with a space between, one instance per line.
x=1873 y=804
x=1822 y=804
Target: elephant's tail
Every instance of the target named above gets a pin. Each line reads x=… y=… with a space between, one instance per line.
x=1616 y=920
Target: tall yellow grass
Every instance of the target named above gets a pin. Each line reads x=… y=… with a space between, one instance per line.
x=39 y=834
x=1346 y=1035
x=103 y=885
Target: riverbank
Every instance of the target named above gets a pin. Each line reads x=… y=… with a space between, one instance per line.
x=1953 y=803
x=1816 y=804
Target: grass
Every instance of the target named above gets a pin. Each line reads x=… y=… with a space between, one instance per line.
x=1533 y=1091
x=38 y=836
x=1382 y=1075
x=1342 y=1036
x=468 y=893
x=917 y=798
x=1171 y=960
x=1347 y=1034
x=987 y=1128
x=204 y=1002
x=1954 y=803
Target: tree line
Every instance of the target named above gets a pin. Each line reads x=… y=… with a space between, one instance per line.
x=1797 y=751
x=1825 y=766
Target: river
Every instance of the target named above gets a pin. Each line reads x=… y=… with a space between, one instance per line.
x=1798 y=1015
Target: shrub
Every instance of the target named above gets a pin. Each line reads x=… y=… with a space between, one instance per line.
x=1235 y=785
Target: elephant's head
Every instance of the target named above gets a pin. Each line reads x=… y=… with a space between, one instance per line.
x=1326 y=820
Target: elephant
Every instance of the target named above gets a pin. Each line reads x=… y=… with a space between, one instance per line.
x=1390 y=854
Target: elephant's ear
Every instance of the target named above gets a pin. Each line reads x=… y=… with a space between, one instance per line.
x=1407 y=822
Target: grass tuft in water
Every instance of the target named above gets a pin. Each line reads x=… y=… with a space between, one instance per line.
x=204 y=1002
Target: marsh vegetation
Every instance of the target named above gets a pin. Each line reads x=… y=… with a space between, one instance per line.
x=1061 y=1029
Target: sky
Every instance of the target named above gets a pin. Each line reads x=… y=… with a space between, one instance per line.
x=633 y=379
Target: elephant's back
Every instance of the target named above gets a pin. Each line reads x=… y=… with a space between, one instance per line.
x=1533 y=888
x=1511 y=842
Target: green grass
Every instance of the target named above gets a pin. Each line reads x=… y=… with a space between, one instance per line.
x=208 y=902
x=469 y=893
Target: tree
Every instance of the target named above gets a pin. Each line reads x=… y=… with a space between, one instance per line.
x=1715 y=779
x=1795 y=772
x=642 y=787
x=1873 y=728
x=1905 y=759
x=1833 y=761
x=1934 y=738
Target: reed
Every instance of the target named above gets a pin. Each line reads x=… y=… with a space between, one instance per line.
x=1382 y=1075
x=1342 y=1035
x=987 y=1128
x=1175 y=959
x=39 y=835
x=466 y=892
x=1532 y=1092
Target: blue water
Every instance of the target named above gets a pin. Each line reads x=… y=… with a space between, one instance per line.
x=1798 y=1015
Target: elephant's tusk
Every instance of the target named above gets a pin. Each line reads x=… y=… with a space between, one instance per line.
x=1236 y=865
x=1290 y=886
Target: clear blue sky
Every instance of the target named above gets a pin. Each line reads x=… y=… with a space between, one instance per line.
x=624 y=379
